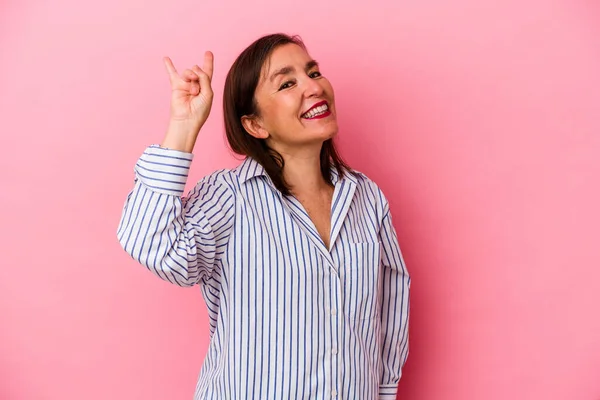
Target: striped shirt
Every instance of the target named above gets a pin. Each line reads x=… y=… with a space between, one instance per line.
x=289 y=318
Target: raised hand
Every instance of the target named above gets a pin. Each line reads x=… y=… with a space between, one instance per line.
x=191 y=101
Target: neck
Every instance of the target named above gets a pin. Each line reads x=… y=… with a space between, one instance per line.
x=302 y=172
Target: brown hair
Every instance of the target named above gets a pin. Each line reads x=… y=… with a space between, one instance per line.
x=239 y=100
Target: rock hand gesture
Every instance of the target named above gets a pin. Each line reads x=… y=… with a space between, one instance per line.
x=191 y=101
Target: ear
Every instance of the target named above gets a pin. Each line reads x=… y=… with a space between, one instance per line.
x=254 y=127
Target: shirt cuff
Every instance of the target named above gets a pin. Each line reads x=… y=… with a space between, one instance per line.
x=164 y=170
x=388 y=392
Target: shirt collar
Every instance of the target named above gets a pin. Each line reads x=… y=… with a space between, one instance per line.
x=250 y=168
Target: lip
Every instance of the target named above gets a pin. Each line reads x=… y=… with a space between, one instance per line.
x=319 y=104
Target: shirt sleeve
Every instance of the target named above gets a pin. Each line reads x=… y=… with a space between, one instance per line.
x=394 y=309
x=177 y=238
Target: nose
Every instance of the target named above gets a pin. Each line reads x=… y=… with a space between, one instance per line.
x=312 y=87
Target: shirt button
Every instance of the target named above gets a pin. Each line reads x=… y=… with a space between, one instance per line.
x=333 y=311
x=334 y=351
x=334 y=393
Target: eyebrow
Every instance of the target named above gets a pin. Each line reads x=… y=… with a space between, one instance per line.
x=289 y=69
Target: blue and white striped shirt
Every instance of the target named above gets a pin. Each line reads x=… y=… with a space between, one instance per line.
x=289 y=318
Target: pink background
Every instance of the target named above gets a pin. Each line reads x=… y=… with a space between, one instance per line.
x=480 y=120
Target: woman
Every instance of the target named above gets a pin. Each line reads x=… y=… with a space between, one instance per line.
x=294 y=252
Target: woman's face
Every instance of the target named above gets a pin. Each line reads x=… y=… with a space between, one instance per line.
x=295 y=102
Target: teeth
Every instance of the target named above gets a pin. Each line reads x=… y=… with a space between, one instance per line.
x=316 y=111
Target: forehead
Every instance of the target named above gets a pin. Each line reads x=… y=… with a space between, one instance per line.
x=289 y=54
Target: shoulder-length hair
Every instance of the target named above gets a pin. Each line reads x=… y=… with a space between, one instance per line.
x=239 y=100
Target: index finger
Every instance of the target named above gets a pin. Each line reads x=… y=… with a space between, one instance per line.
x=207 y=67
x=170 y=68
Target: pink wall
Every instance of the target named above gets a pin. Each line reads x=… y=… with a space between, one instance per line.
x=481 y=123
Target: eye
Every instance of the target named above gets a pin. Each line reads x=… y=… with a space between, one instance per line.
x=315 y=74
x=286 y=85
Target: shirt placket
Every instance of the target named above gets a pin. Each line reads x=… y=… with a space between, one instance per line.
x=342 y=199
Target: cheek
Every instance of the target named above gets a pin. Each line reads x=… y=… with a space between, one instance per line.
x=278 y=112
x=288 y=106
x=328 y=87
x=270 y=110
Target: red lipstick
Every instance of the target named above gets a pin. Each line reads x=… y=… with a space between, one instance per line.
x=319 y=104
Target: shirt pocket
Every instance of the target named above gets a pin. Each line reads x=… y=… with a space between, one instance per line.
x=362 y=263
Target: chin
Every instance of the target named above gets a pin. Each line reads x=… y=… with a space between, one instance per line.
x=332 y=132
x=326 y=135
x=328 y=131
x=332 y=135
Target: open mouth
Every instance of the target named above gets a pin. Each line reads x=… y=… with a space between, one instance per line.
x=321 y=109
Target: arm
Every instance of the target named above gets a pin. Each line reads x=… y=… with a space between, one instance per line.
x=173 y=236
x=394 y=309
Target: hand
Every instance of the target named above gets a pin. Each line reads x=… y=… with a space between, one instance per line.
x=191 y=92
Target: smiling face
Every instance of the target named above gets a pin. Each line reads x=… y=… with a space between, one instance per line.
x=295 y=103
